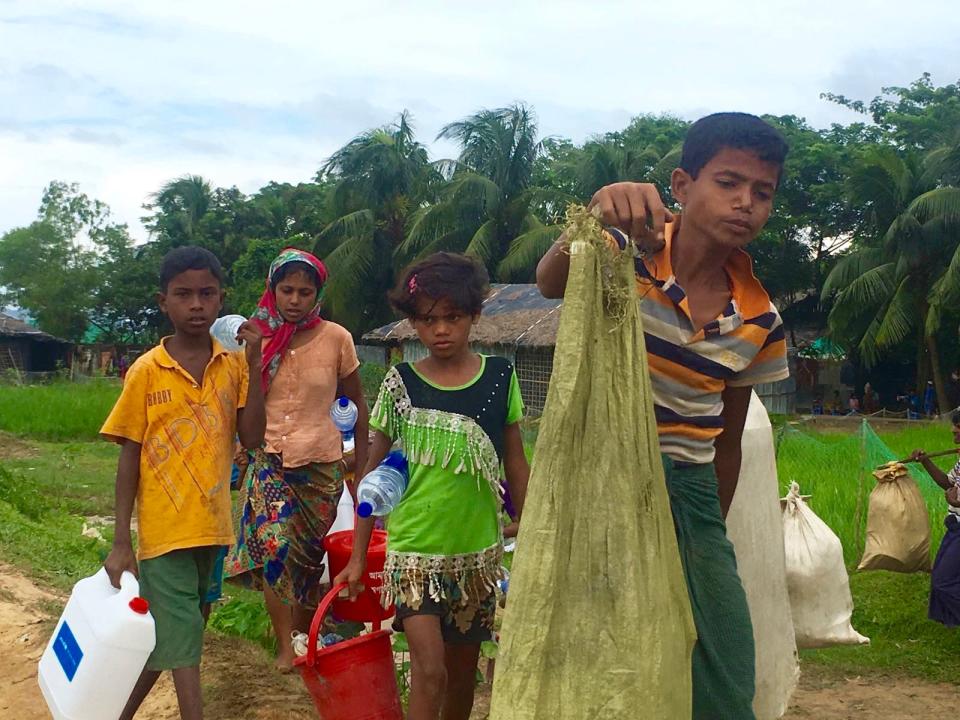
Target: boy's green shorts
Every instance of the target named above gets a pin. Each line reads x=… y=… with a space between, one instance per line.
x=175 y=585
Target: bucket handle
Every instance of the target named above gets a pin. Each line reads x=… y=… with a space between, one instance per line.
x=322 y=609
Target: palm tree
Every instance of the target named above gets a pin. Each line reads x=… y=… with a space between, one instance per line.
x=177 y=209
x=380 y=177
x=906 y=270
x=488 y=208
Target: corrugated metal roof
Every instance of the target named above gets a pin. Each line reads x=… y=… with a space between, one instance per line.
x=515 y=314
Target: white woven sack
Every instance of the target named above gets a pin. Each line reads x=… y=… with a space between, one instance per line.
x=817 y=579
x=755 y=528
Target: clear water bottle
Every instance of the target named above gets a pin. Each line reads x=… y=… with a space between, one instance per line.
x=380 y=491
x=224 y=330
x=344 y=415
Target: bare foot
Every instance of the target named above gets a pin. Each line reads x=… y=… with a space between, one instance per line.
x=284 y=663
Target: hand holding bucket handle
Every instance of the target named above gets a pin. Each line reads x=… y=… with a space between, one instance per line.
x=322 y=609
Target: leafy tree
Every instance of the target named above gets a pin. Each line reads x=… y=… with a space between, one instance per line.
x=488 y=206
x=74 y=267
x=378 y=180
x=898 y=282
x=124 y=305
x=177 y=209
x=48 y=275
x=250 y=272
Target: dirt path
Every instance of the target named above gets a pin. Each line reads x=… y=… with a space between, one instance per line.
x=238 y=677
x=239 y=681
x=870 y=698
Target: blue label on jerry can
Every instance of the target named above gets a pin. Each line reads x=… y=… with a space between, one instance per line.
x=67 y=650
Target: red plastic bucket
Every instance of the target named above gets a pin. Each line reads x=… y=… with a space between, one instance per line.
x=354 y=679
x=366 y=608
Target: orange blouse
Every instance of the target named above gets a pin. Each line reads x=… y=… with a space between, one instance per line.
x=298 y=403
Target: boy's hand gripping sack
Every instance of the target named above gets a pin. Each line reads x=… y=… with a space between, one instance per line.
x=898 y=525
x=817 y=580
x=599 y=623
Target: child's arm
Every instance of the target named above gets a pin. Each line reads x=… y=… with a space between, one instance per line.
x=252 y=418
x=736 y=401
x=353 y=572
x=122 y=557
x=516 y=467
x=353 y=389
x=938 y=475
x=634 y=208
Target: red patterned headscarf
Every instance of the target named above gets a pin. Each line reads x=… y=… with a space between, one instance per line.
x=277 y=331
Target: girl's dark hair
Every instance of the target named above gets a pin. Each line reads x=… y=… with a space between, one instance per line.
x=189 y=257
x=294 y=267
x=738 y=131
x=462 y=279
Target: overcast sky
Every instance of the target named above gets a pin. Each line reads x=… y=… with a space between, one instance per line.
x=123 y=96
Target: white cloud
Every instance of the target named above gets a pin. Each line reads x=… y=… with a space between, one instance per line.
x=121 y=96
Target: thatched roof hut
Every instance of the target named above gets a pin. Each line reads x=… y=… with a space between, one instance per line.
x=24 y=348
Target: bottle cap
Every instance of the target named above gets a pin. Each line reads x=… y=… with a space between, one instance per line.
x=140 y=605
x=364 y=509
x=344 y=401
x=397 y=461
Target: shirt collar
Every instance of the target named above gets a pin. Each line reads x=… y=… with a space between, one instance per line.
x=750 y=299
x=165 y=359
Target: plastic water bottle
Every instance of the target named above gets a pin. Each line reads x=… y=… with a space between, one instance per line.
x=504 y=582
x=344 y=415
x=98 y=649
x=380 y=491
x=224 y=330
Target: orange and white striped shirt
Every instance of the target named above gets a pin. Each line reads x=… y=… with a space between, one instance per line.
x=689 y=369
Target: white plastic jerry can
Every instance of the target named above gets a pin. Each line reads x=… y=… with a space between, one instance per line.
x=98 y=650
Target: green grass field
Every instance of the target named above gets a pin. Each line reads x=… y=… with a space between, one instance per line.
x=59 y=411
x=54 y=478
x=835 y=469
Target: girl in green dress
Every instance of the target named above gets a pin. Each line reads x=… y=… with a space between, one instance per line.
x=455 y=414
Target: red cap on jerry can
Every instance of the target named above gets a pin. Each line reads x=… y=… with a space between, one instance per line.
x=140 y=605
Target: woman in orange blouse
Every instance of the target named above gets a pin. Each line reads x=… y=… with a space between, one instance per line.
x=292 y=485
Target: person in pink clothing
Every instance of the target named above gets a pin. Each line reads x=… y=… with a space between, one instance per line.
x=292 y=484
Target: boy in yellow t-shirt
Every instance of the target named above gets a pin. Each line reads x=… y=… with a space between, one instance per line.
x=182 y=405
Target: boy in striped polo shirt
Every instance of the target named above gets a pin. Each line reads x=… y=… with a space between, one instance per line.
x=711 y=334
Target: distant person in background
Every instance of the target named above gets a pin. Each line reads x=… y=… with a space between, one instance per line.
x=836 y=405
x=853 y=405
x=945 y=576
x=869 y=399
x=818 y=406
x=953 y=389
x=929 y=400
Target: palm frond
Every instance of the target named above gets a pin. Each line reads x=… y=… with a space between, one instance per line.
x=943 y=203
x=475 y=189
x=849 y=268
x=870 y=289
x=426 y=225
x=525 y=251
x=944 y=294
x=900 y=318
x=867 y=347
x=358 y=224
x=483 y=244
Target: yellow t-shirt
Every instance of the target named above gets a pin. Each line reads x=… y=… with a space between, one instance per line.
x=187 y=433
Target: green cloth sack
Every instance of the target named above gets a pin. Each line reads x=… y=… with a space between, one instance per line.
x=598 y=622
